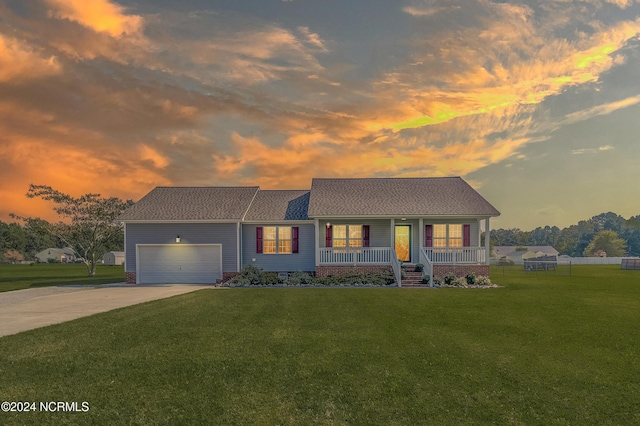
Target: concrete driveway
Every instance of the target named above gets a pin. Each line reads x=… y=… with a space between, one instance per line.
x=23 y=310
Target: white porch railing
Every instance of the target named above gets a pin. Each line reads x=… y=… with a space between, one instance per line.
x=473 y=255
x=355 y=255
x=395 y=265
x=428 y=265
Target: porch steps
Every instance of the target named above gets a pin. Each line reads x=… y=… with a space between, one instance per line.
x=412 y=279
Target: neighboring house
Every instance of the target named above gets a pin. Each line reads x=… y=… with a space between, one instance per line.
x=518 y=254
x=207 y=234
x=113 y=258
x=63 y=255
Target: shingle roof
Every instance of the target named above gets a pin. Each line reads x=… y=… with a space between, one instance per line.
x=396 y=196
x=279 y=205
x=192 y=203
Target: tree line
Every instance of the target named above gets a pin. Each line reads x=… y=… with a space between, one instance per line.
x=23 y=241
x=88 y=225
x=584 y=238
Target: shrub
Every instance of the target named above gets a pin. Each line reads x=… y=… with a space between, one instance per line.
x=270 y=278
x=379 y=279
x=437 y=282
x=484 y=281
x=248 y=275
x=425 y=279
x=388 y=277
x=471 y=278
x=449 y=278
x=299 y=277
x=322 y=280
x=504 y=261
x=459 y=282
x=419 y=267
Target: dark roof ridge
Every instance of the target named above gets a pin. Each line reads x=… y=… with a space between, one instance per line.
x=403 y=177
x=206 y=186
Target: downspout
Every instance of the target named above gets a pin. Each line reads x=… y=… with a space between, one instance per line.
x=239 y=231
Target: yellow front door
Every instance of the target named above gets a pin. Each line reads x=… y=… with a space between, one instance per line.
x=403 y=242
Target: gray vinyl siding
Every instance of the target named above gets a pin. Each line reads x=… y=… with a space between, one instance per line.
x=190 y=233
x=379 y=230
x=304 y=260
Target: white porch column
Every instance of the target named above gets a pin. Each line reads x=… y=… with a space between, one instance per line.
x=239 y=246
x=486 y=241
x=393 y=234
x=420 y=234
x=317 y=231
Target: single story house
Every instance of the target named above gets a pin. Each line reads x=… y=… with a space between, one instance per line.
x=207 y=234
x=62 y=255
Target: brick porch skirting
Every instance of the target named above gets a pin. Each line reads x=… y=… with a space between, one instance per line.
x=460 y=270
x=328 y=270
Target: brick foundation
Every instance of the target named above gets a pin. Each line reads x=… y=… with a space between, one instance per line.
x=130 y=277
x=325 y=271
x=460 y=270
x=226 y=276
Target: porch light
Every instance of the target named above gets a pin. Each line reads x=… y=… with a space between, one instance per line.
x=404 y=218
x=328 y=224
x=177 y=238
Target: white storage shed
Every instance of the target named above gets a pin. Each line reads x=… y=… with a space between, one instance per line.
x=113 y=258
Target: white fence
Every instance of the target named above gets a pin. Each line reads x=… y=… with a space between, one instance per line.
x=592 y=260
x=577 y=260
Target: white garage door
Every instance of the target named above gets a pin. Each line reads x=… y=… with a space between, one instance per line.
x=179 y=263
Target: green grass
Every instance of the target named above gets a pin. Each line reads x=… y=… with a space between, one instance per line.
x=18 y=277
x=555 y=350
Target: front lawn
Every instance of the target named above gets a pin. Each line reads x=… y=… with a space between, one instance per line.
x=563 y=351
x=18 y=277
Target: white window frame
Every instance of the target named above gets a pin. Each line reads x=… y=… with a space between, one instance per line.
x=277 y=240
x=448 y=236
x=348 y=240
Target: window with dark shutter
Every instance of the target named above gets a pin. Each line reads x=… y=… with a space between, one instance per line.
x=466 y=235
x=259 y=239
x=328 y=238
x=365 y=235
x=428 y=235
x=294 y=239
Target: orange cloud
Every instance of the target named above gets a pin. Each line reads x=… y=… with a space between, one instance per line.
x=303 y=157
x=510 y=62
x=99 y=15
x=148 y=153
x=21 y=61
x=70 y=169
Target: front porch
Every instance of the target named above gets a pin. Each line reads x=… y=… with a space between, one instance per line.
x=436 y=262
x=441 y=245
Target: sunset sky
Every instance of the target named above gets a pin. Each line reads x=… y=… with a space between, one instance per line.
x=535 y=103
